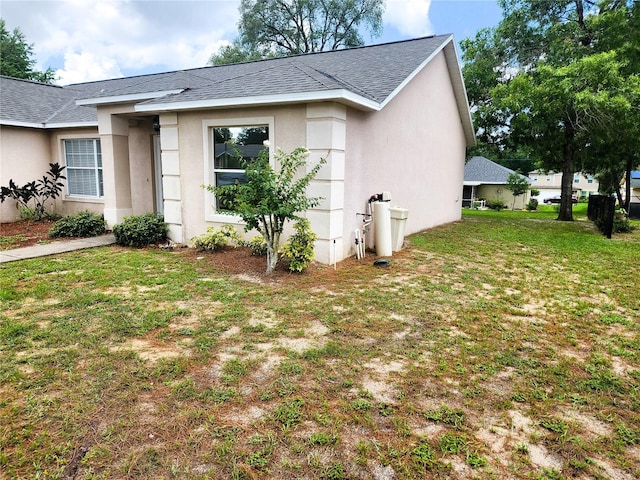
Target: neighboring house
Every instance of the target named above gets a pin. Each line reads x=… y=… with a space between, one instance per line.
x=391 y=117
x=550 y=184
x=634 y=205
x=485 y=180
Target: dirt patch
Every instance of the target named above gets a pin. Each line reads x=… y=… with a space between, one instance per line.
x=151 y=351
x=25 y=233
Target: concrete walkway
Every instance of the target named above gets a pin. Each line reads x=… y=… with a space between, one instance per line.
x=54 y=248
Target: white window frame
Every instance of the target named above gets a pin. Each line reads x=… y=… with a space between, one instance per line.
x=62 y=139
x=208 y=126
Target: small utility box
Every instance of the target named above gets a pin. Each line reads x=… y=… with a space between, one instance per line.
x=398 y=225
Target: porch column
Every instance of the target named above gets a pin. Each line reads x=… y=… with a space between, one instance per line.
x=114 y=142
x=171 y=184
x=326 y=138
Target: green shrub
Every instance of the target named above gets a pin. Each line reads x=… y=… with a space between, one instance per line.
x=83 y=224
x=299 y=251
x=141 y=230
x=622 y=225
x=532 y=205
x=495 y=204
x=258 y=246
x=621 y=222
x=214 y=239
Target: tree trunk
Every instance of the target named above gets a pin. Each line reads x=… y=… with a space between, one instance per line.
x=272 y=259
x=273 y=243
x=565 y=214
x=619 y=197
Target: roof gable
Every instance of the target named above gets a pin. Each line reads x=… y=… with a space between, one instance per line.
x=481 y=170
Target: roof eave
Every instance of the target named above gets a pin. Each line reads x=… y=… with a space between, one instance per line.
x=484 y=182
x=45 y=126
x=460 y=91
x=134 y=97
x=16 y=123
x=339 y=95
x=71 y=124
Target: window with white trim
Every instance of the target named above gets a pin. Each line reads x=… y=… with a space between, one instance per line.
x=233 y=148
x=83 y=159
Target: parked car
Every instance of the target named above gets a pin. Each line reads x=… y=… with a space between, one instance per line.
x=556 y=199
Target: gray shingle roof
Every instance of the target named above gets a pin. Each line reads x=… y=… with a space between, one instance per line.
x=23 y=101
x=373 y=73
x=483 y=170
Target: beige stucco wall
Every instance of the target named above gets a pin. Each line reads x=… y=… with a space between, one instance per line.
x=500 y=192
x=413 y=148
x=185 y=161
x=24 y=156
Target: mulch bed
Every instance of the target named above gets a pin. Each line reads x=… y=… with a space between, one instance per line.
x=233 y=261
x=27 y=232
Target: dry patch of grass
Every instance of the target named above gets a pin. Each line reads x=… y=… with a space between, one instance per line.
x=501 y=346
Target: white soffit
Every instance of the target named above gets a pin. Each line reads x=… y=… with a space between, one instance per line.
x=15 y=123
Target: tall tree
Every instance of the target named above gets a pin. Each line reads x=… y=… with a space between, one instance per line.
x=291 y=27
x=534 y=80
x=16 y=57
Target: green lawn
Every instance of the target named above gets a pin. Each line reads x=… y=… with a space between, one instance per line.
x=506 y=345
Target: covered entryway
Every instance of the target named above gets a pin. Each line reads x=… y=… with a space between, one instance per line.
x=131 y=163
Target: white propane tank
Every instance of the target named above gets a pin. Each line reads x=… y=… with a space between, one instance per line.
x=382 y=225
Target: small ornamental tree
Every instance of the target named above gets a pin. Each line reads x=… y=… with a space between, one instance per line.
x=517 y=185
x=270 y=198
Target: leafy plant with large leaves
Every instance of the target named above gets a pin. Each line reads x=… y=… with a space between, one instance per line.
x=32 y=197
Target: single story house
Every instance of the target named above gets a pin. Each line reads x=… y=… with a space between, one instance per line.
x=392 y=117
x=485 y=180
x=550 y=184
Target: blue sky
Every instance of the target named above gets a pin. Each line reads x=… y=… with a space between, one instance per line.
x=85 y=40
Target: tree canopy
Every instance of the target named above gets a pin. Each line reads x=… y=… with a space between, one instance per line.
x=16 y=57
x=560 y=79
x=271 y=28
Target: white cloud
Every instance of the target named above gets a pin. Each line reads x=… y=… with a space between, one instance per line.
x=86 y=67
x=85 y=40
x=409 y=17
